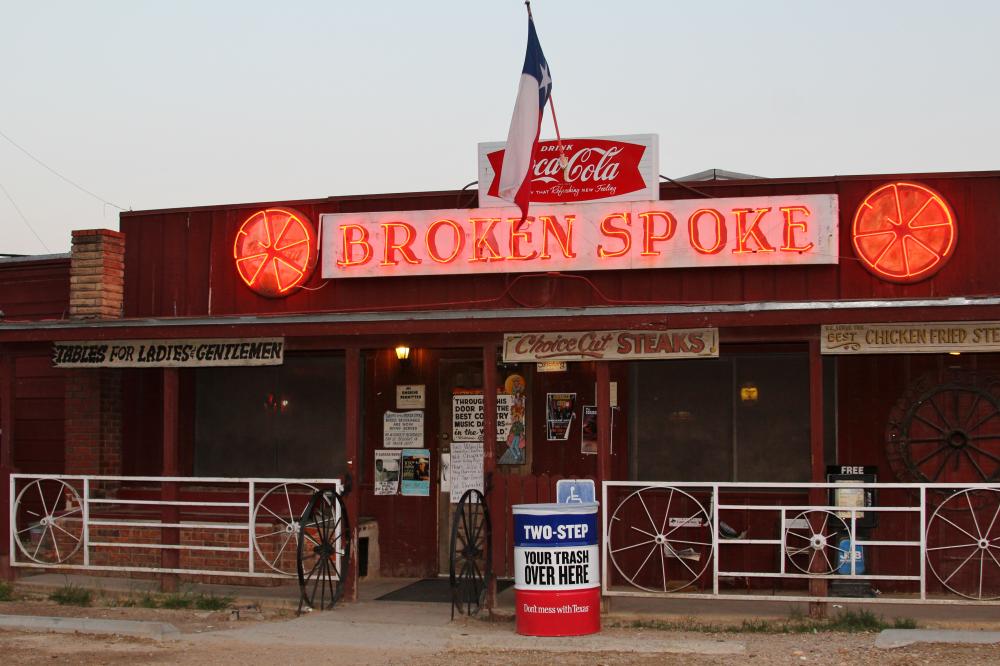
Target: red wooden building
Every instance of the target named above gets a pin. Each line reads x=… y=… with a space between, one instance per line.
x=777 y=401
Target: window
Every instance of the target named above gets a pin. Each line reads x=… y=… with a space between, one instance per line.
x=741 y=417
x=272 y=421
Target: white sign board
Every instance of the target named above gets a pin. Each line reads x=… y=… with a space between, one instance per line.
x=403 y=430
x=611 y=345
x=466 y=468
x=467 y=416
x=790 y=230
x=911 y=338
x=606 y=168
x=410 y=396
x=168 y=353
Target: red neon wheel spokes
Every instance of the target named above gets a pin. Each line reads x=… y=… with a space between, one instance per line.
x=904 y=232
x=275 y=251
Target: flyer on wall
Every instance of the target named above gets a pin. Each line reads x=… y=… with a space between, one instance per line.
x=402 y=429
x=416 y=466
x=515 y=445
x=560 y=409
x=386 y=472
x=466 y=468
x=588 y=429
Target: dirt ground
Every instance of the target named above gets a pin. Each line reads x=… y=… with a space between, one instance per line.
x=25 y=648
x=18 y=647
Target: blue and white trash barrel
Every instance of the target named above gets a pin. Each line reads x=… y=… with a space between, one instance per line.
x=557 y=583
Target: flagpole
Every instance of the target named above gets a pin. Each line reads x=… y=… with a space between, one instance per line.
x=563 y=161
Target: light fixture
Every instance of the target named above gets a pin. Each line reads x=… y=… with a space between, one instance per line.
x=402 y=352
x=954 y=353
x=749 y=393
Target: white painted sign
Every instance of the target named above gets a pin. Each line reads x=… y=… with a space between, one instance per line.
x=702 y=233
x=403 y=430
x=410 y=396
x=467 y=416
x=466 y=468
x=911 y=338
x=606 y=168
x=611 y=345
x=168 y=353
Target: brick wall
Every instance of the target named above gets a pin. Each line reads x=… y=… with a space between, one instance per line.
x=93 y=421
x=97 y=274
x=94 y=396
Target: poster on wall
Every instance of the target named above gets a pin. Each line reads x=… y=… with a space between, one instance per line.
x=466 y=468
x=416 y=466
x=386 y=472
x=401 y=430
x=445 y=485
x=588 y=430
x=513 y=448
x=467 y=416
x=560 y=409
x=410 y=396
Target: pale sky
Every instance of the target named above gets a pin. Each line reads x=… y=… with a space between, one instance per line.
x=171 y=103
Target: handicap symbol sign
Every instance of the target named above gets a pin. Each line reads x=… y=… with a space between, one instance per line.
x=575 y=491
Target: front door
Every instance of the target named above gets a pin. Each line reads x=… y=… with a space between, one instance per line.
x=454 y=374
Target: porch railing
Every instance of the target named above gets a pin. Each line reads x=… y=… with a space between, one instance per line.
x=933 y=543
x=214 y=526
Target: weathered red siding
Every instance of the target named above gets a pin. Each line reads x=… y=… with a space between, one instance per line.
x=180 y=262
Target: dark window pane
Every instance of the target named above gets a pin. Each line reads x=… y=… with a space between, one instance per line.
x=772 y=432
x=273 y=421
x=684 y=420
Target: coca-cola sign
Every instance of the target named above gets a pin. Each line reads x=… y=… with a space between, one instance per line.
x=624 y=168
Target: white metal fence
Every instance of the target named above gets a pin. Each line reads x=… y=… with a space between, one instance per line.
x=934 y=543
x=218 y=526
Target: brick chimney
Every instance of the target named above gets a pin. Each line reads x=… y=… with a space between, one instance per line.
x=97 y=274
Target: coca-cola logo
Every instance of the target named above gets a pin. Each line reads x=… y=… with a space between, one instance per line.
x=593 y=169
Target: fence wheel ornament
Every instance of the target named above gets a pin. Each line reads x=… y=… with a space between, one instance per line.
x=963 y=544
x=48 y=521
x=810 y=541
x=660 y=539
x=276 y=519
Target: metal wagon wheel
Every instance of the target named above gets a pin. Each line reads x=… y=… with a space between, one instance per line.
x=963 y=547
x=40 y=511
x=637 y=533
x=470 y=562
x=279 y=523
x=808 y=538
x=324 y=550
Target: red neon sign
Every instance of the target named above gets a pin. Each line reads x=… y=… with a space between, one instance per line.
x=904 y=232
x=275 y=251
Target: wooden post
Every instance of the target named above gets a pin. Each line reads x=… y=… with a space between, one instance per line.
x=603 y=399
x=352 y=442
x=170 y=558
x=818 y=496
x=490 y=443
x=6 y=457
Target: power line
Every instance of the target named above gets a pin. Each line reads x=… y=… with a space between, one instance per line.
x=28 y=224
x=56 y=173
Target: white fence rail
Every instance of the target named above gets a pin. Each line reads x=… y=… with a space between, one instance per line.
x=218 y=526
x=932 y=543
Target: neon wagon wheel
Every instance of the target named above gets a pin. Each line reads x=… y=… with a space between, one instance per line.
x=810 y=541
x=963 y=544
x=471 y=554
x=48 y=521
x=660 y=539
x=276 y=519
x=324 y=551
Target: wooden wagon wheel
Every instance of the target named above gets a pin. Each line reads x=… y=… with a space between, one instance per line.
x=324 y=551
x=470 y=562
x=947 y=433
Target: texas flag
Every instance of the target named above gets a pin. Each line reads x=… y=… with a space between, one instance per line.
x=532 y=95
